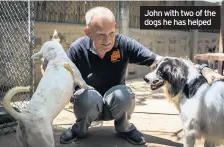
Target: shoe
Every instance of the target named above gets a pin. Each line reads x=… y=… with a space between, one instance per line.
x=134 y=137
x=68 y=136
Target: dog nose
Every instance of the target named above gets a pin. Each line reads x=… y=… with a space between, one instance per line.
x=146 y=79
x=154 y=82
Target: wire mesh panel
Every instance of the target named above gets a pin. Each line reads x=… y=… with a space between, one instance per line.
x=16 y=48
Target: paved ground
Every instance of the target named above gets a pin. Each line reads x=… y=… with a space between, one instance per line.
x=154 y=116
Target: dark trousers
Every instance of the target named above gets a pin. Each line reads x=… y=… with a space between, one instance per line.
x=117 y=104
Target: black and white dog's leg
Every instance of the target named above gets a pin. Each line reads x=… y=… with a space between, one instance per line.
x=208 y=144
x=191 y=132
x=189 y=138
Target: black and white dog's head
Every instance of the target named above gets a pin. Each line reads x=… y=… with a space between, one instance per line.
x=178 y=73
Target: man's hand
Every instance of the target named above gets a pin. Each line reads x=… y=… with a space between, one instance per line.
x=157 y=60
x=210 y=75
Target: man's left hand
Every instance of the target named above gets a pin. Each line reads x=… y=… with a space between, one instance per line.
x=157 y=60
x=210 y=75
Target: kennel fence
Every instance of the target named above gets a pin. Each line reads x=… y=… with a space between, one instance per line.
x=16 y=48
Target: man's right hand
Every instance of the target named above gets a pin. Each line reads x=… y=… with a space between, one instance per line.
x=210 y=75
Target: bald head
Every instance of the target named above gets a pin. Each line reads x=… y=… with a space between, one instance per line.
x=99 y=16
x=100 y=28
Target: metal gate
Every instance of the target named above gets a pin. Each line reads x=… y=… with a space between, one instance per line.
x=16 y=48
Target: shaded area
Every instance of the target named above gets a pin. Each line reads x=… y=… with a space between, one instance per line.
x=143 y=91
x=107 y=136
x=156 y=113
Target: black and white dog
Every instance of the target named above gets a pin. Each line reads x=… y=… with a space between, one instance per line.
x=201 y=106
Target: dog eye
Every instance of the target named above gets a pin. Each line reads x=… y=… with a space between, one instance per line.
x=159 y=73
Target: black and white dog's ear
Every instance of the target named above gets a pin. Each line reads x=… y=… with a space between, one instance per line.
x=175 y=76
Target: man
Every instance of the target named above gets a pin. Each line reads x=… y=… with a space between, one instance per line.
x=102 y=58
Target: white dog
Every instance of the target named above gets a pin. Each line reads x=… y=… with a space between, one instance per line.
x=201 y=106
x=52 y=94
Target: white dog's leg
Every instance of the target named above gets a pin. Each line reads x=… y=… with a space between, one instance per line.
x=48 y=135
x=45 y=137
x=21 y=138
x=77 y=76
x=50 y=138
x=50 y=142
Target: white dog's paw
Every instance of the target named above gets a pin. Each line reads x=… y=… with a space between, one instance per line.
x=85 y=86
x=90 y=87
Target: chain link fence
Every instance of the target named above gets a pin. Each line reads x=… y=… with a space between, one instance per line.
x=16 y=48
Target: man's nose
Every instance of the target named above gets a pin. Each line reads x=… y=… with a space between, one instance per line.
x=147 y=80
x=106 y=38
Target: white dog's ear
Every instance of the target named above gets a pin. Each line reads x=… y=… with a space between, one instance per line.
x=55 y=36
x=37 y=56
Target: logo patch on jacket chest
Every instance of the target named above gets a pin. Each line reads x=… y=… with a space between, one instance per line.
x=115 y=56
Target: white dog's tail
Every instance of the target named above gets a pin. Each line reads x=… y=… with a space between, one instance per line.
x=7 y=99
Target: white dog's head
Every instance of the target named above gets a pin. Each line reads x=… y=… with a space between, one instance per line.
x=174 y=71
x=50 y=49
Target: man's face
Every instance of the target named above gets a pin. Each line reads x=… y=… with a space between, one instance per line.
x=103 y=35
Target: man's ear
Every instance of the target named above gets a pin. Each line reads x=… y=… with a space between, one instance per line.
x=37 y=56
x=87 y=31
x=115 y=25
